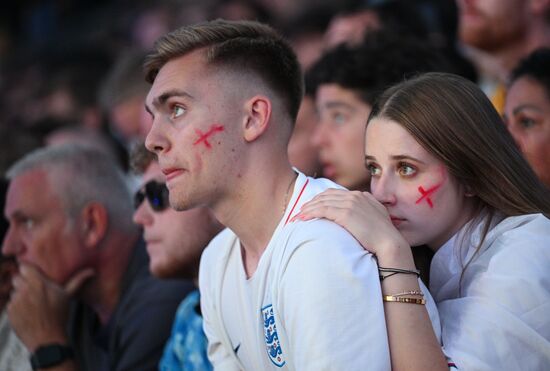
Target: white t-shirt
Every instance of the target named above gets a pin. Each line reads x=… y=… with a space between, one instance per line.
x=498 y=316
x=314 y=302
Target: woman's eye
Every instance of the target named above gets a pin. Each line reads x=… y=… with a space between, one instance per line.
x=527 y=123
x=406 y=170
x=373 y=170
x=177 y=111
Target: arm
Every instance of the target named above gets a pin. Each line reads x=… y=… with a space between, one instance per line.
x=413 y=344
x=38 y=309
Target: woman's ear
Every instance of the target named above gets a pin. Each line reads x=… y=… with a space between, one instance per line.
x=258 y=115
x=94 y=222
x=468 y=191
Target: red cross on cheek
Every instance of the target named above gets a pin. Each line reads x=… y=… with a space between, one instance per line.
x=203 y=137
x=425 y=195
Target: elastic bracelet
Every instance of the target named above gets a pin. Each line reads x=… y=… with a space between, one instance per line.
x=394 y=271
x=400 y=299
x=413 y=292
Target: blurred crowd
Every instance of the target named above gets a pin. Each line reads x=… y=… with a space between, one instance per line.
x=71 y=71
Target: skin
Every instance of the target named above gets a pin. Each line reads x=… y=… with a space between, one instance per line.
x=191 y=108
x=175 y=240
x=244 y=176
x=492 y=24
x=340 y=135
x=527 y=117
x=46 y=245
x=40 y=233
x=390 y=220
x=301 y=151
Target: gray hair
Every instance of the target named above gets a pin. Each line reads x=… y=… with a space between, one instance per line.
x=80 y=175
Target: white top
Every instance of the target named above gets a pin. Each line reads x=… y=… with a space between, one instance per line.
x=13 y=354
x=314 y=302
x=498 y=317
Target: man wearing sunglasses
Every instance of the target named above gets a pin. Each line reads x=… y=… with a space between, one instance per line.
x=83 y=298
x=175 y=241
x=275 y=295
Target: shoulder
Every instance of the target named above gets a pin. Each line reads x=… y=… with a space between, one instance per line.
x=516 y=241
x=218 y=248
x=322 y=246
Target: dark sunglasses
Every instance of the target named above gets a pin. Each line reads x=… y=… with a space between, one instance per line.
x=156 y=193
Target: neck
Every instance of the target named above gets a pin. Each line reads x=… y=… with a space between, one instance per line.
x=255 y=209
x=104 y=293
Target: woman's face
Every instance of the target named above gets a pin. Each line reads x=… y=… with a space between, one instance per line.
x=527 y=116
x=426 y=204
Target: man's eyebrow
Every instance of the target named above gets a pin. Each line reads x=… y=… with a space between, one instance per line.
x=161 y=99
x=338 y=104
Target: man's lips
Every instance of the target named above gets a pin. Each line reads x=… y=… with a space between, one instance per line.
x=171 y=173
x=396 y=220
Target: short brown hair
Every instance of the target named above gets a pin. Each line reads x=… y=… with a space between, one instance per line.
x=241 y=45
x=141 y=158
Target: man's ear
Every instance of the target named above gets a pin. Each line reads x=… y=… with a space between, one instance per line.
x=258 y=115
x=94 y=222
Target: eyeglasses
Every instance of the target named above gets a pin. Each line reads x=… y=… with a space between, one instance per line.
x=156 y=193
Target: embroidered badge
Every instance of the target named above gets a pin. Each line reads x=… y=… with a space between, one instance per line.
x=272 y=342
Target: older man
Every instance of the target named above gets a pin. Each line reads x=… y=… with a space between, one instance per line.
x=72 y=234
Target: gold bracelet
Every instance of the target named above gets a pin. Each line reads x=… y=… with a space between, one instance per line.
x=412 y=292
x=400 y=299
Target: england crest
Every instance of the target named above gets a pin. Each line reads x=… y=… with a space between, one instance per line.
x=272 y=343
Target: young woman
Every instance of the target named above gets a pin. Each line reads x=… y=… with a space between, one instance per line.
x=527 y=111
x=447 y=174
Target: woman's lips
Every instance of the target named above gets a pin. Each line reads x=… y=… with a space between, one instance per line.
x=395 y=220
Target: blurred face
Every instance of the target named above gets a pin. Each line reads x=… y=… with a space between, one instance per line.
x=424 y=201
x=175 y=240
x=196 y=114
x=340 y=136
x=40 y=232
x=301 y=152
x=491 y=24
x=527 y=116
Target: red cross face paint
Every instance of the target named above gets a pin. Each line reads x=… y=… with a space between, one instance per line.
x=424 y=202
x=204 y=137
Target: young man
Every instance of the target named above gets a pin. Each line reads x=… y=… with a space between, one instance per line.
x=175 y=241
x=346 y=82
x=72 y=234
x=276 y=294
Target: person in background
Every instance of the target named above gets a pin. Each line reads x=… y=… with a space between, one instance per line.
x=527 y=111
x=83 y=297
x=498 y=34
x=446 y=173
x=174 y=241
x=346 y=82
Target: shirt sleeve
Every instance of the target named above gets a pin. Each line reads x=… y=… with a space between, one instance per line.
x=500 y=322
x=330 y=303
x=221 y=358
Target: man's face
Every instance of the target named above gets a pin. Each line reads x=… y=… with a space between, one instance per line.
x=175 y=240
x=40 y=232
x=340 y=136
x=492 y=24
x=301 y=152
x=196 y=114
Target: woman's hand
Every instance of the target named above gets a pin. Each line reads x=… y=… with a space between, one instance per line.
x=358 y=212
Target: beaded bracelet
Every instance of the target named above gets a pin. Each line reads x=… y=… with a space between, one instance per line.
x=400 y=299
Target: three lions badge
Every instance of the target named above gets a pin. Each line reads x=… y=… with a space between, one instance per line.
x=272 y=343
